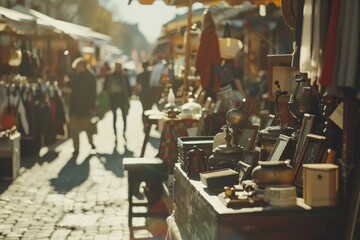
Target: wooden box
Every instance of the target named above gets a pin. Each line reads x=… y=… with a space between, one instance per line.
x=321 y=184
x=218 y=179
x=10 y=156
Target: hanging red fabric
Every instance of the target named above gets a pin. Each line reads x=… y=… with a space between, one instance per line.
x=330 y=50
x=8 y=119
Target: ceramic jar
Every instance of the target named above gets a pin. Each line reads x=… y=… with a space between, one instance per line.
x=273 y=173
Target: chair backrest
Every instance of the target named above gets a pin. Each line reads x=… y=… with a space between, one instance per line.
x=197 y=93
x=201 y=98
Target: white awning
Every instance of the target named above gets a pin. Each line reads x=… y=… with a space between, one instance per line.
x=19 y=22
x=24 y=10
x=75 y=31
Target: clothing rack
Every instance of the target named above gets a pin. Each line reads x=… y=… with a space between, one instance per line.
x=37 y=110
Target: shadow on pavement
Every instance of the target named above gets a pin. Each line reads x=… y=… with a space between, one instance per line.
x=4 y=184
x=71 y=175
x=29 y=161
x=114 y=161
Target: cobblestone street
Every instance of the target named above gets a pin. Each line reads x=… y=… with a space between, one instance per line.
x=61 y=196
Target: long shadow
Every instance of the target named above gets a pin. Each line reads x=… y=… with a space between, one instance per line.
x=4 y=184
x=71 y=175
x=114 y=161
x=28 y=162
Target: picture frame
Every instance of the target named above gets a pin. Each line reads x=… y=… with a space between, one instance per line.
x=248 y=137
x=312 y=152
x=306 y=128
x=281 y=150
x=279 y=68
x=244 y=171
x=269 y=121
x=250 y=157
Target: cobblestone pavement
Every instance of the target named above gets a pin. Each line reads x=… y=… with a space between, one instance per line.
x=59 y=196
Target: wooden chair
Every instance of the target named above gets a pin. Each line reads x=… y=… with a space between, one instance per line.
x=151 y=118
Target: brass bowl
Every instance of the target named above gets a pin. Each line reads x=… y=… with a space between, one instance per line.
x=273 y=173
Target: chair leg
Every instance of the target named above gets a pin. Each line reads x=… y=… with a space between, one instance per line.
x=130 y=194
x=146 y=138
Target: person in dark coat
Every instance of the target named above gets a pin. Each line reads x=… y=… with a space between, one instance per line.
x=143 y=81
x=82 y=101
x=118 y=88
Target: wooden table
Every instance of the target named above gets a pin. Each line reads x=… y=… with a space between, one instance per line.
x=199 y=214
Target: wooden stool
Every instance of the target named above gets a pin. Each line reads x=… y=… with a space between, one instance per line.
x=141 y=170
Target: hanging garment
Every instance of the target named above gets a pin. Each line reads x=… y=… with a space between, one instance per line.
x=315 y=46
x=307 y=33
x=349 y=46
x=330 y=49
x=20 y=111
x=298 y=32
x=207 y=57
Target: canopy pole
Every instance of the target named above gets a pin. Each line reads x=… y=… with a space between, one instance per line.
x=187 y=47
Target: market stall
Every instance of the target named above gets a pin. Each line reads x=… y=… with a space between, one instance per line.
x=303 y=182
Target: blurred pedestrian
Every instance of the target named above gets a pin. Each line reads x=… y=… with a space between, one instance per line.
x=143 y=81
x=118 y=88
x=82 y=103
x=104 y=69
x=158 y=74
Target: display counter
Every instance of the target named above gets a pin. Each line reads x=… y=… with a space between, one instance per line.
x=199 y=214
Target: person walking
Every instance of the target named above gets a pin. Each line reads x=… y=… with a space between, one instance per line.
x=118 y=88
x=143 y=81
x=82 y=101
x=158 y=72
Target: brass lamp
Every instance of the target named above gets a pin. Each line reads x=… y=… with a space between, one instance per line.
x=229 y=154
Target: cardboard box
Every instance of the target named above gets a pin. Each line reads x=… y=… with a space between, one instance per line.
x=321 y=184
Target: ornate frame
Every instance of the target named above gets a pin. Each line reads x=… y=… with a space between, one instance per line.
x=313 y=151
x=306 y=128
x=280 y=149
